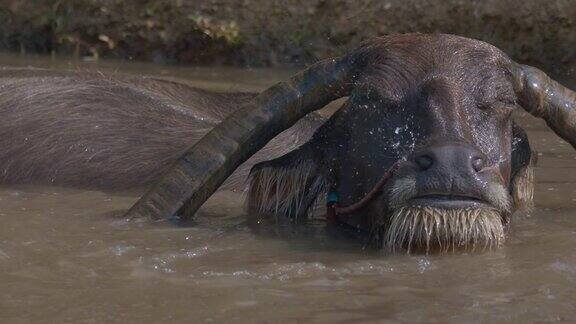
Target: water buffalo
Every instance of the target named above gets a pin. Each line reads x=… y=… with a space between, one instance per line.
x=423 y=155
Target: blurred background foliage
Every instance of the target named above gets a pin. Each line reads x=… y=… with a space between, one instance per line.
x=279 y=32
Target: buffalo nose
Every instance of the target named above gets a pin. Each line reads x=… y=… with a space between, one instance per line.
x=450 y=158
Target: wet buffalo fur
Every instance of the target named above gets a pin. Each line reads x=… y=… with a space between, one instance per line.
x=291 y=186
x=117 y=132
x=294 y=187
x=295 y=184
x=111 y=131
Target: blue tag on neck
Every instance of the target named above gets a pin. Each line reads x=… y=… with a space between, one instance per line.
x=332 y=197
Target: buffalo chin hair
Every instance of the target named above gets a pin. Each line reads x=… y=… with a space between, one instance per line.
x=429 y=229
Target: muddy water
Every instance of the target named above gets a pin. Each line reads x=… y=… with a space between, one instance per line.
x=69 y=256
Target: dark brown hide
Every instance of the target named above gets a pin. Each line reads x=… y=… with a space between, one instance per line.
x=439 y=105
x=416 y=94
x=110 y=131
x=454 y=74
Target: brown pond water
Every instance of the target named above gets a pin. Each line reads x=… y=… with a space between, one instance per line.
x=68 y=255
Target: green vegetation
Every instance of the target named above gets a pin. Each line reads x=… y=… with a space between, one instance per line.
x=280 y=32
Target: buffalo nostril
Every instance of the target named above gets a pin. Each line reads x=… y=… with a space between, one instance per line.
x=478 y=163
x=424 y=162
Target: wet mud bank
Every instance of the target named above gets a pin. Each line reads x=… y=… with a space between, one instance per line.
x=278 y=32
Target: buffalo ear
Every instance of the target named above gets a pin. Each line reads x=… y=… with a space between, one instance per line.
x=289 y=186
x=523 y=163
x=523 y=188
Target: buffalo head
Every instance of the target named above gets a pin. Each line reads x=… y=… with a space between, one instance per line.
x=436 y=107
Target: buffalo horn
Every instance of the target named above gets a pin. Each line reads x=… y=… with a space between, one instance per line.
x=547 y=99
x=198 y=173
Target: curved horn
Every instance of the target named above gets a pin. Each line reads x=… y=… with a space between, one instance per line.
x=193 y=178
x=545 y=98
